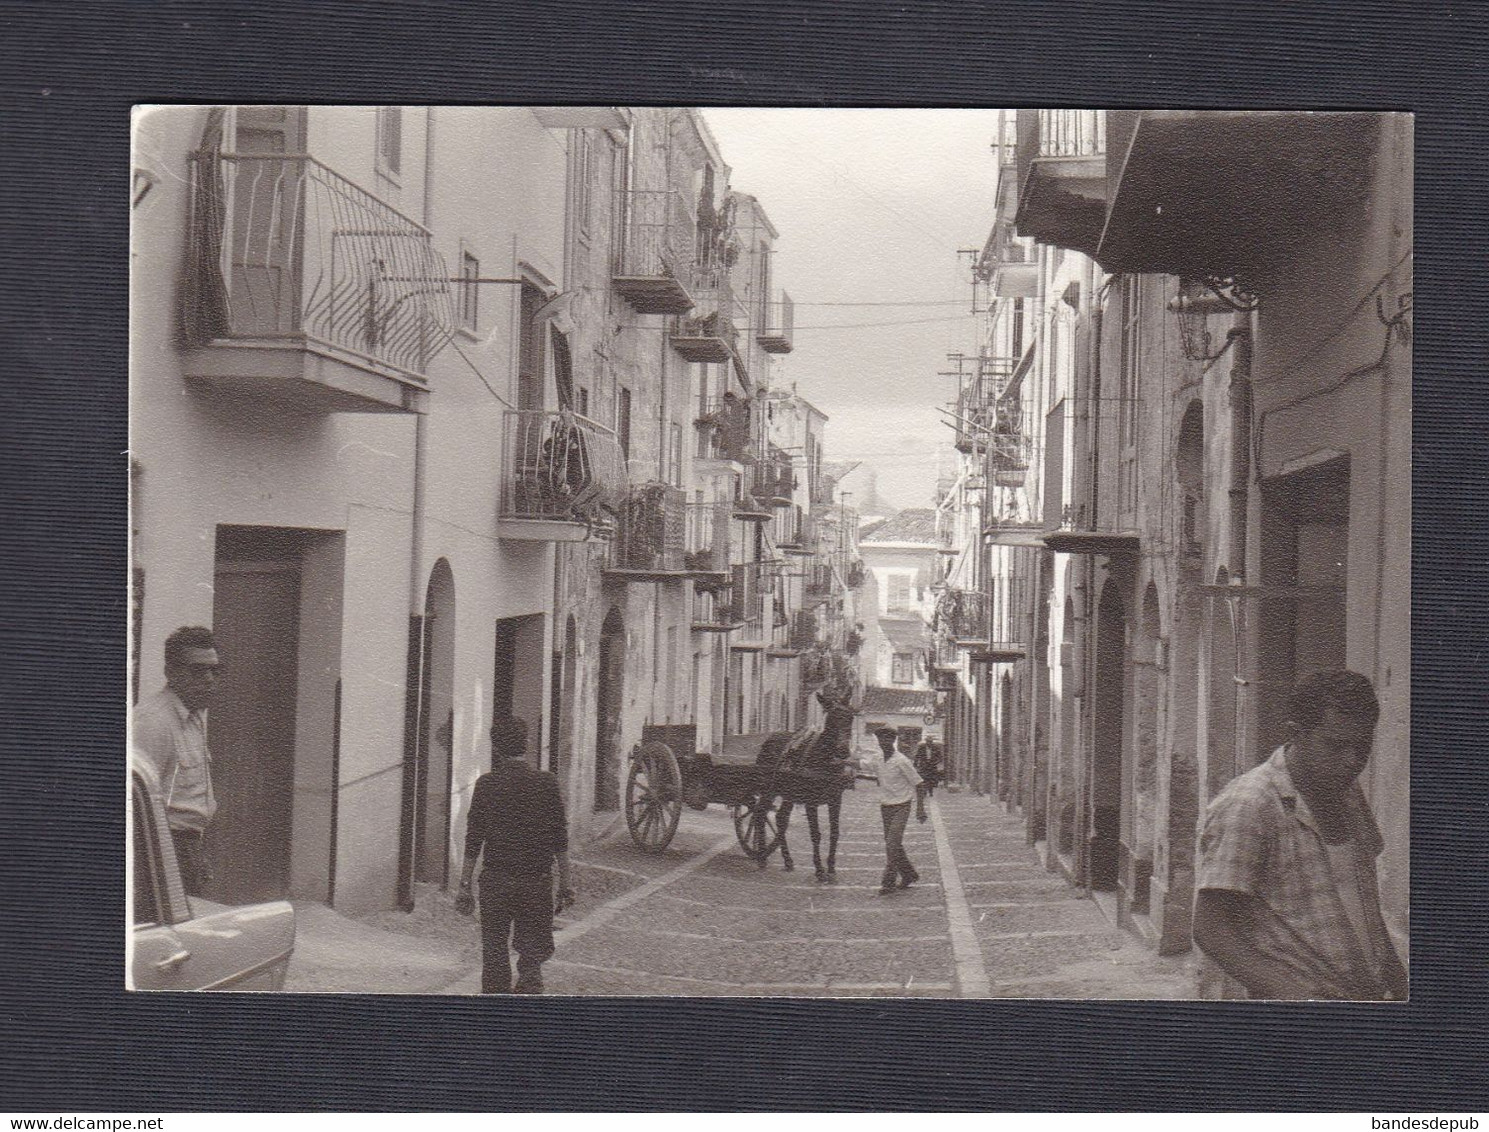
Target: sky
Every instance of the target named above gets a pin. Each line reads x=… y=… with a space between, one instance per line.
x=872 y=206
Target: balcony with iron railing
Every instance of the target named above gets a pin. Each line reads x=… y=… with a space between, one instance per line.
x=772 y=480
x=1084 y=530
x=713 y=611
x=653 y=264
x=805 y=632
x=726 y=429
x=650 y=542
x=962 y=616
x=973 y=417
x=563 y=477
x=748 y=605
x=710 y=331
x=947 y=540
x=302 y=286
x=789 y=531
x=709 y=544
x=1062 y=173
x=777 y=326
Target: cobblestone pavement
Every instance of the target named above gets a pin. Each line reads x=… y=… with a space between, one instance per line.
x=985 y=920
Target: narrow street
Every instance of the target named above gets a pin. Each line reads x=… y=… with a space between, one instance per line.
x=986 y=920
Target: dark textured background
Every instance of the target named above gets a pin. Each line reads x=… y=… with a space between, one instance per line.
x=73 y=1041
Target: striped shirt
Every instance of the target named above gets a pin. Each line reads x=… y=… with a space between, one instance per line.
x=174 y=739
x=1260 y=839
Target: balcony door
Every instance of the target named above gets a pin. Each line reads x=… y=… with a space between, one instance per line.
x=267 y=218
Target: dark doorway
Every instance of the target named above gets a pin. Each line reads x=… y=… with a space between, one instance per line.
x=1006 y=750
x=432 y=778
x=1304 y=568
x=255 y=619
x=1108 y=727
x=607 y=737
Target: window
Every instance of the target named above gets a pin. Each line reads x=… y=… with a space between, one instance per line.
x=470 y=271
x=1018 y=328
x=390 y=140
x=903 y=668
x=623 y=418
x=581 y=402
x=898 y=593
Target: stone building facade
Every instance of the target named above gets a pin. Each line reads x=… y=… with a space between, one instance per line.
x=1209 y=396
x=441 y=412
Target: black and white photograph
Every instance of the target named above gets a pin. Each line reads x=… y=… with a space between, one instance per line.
x=812 y=552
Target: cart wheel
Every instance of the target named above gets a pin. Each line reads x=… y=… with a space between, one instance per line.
x=755 y=826
x=653 y=797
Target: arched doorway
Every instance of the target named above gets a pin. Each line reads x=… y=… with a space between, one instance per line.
x=608 y=711
x=1147 y=691
x=1108 y=726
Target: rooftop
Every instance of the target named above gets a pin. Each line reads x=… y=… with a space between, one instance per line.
x=897 y=701
x=914 y=524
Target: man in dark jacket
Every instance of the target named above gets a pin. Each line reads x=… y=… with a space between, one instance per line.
x=517 y=818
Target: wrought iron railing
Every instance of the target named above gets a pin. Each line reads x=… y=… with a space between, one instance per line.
x=974 y=416
x=658 y=235
x=283 y=247
x=725 y=429
x=561 y=467
x=708 y=547
x=778 y=322
x=746 y=601
x=804 y=631
x=1072 y=133
x=772 y=478
x=819 y=580
x=716 y=312
x=962 y=615
x=652 y=533
x=712 y=609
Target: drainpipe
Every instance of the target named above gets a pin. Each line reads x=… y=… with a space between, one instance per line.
x=413 y=706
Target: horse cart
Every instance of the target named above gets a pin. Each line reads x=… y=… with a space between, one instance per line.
x=760 y=777
x=667 y=773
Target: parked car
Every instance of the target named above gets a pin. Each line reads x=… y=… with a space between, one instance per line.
x=180 y=942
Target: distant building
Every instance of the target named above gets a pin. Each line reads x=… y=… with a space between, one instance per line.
x=900 y=563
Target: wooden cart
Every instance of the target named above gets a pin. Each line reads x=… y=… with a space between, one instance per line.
x=661 y=781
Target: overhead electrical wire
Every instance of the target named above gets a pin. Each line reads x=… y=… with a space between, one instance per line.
x=874 y=325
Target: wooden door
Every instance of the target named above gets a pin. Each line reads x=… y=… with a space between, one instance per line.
x=251 y=728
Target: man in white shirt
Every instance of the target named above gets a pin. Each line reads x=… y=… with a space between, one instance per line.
x=170 y=729
x=899 y=785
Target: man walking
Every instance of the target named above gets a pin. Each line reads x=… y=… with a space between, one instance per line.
x=899 y=784
x=517 y=818
x=170 y=730
x=1287 y=904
